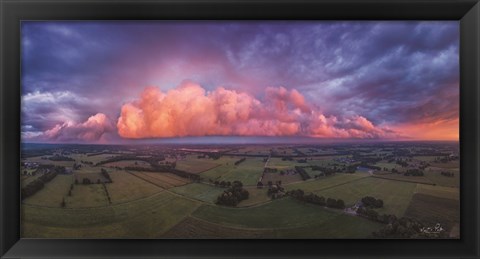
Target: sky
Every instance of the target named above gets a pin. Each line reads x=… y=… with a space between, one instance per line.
x=127 y=82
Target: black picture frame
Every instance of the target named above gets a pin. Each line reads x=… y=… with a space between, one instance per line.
x=14 y=11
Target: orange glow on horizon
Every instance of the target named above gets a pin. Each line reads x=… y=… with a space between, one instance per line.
x=438 y=130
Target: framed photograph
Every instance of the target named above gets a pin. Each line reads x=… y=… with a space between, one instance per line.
x=240 y=129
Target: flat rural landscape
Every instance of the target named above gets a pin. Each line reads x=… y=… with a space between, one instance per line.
x=337 y=190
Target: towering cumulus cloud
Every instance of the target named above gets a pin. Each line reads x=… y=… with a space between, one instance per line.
x=92 y=130
x=190 y=110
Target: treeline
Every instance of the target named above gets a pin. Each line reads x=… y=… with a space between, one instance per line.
x=58 y=157
x=97 y=154
x=371 y=202
x=448 y=174
x=370 y=166
x=233 y=195
x=240 y=161
x=222 y=184
x=375 y=216
x=106 y=175
x=36 y=152
x=107 y=193
x=302 y=173
x=167 y=169
x=272 y=170
x=37 y=184
x=326 y=170
x=413 y=172
x=446 y=159
x=409 y=228
x=153 y=161
x=315 y=199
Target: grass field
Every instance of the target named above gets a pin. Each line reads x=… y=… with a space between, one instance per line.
x=130 y=163
x=255 y=196
x=396 y=195
x=86 y=196
x=448 y=165
x=28 y=179
x=401 y=177
x=199 y=191
x=94 y=159
x=86 y=169
x=432 y=210
x=226 y=165
x=325 y=182
x=93 y=177
x=52 y=194
x=288 y=217
x=439 y=191
x=169 y=178
x=196 y=165
x=163 y=180
x=286 y=178
x=248 y=172
x=196 y=228
x=434 y=175
x=126 y=187
x=146 y=218
x=276 y=162
x=38 y=159
x=389 y=166
x=142 y=204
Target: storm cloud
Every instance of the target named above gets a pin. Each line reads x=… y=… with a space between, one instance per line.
x=397 y=75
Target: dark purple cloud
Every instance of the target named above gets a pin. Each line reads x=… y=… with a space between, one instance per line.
x=388 y=72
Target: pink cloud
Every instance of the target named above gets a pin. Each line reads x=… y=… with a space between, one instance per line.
x=190 y=110
x=91 y=130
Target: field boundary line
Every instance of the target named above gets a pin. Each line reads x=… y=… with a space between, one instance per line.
x=340 y=184
x=148 y=181
x=174 y=193
x=97 y=207
x=217 y=165
x=407 y=181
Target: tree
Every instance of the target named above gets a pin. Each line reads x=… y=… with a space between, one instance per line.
x=331 y=203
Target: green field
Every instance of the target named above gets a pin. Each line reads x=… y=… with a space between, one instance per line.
x=404 y=178
x=288 y=218
x=145 y=218
x=276 y=162
x=439 y=191
x=196 y=165
x=86 y=196
x=197 y=228
x=248 y=172
x=128 y=163
x=325 y=182
x=126 y=187
x=256 y=196
x=199 y=191
x=94 y=159
x=53 y=192
x=432 y=210
x=226 y=165
x=175 y=204
x=395 y=195
x=434 y=175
